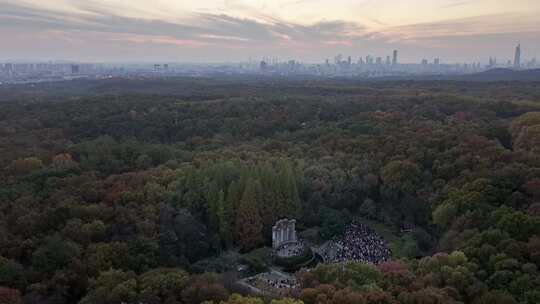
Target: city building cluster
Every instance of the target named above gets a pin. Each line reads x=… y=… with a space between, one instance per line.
x=341 y=66
x=22 y=72
x=388 y=66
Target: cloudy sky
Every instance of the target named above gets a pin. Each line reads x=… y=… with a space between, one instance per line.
x=234 y=30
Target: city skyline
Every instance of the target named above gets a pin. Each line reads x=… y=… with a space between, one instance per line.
x=515 y=60
x=234 y=30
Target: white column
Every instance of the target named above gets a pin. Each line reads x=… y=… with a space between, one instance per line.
x=289 y=232
x=294 y=230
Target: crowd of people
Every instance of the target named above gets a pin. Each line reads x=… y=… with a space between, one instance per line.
x=273 y=283
x=291 y=249
x=359 y=243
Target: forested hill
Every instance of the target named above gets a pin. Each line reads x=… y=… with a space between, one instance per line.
x=242 y=86
x=153 y=191
x=505 y=75
x=498 y=74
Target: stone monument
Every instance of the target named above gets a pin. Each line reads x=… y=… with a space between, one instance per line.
x=283 y=232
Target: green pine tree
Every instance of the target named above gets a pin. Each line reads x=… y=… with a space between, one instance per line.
x=288 y=197
x=248 y=224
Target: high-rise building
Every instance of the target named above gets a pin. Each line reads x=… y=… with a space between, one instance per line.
x=387 y=60
x=263 y=65
x=292 y=65
x=437 y=61
x=394 y=58
x=369 y=59
x=517 y=57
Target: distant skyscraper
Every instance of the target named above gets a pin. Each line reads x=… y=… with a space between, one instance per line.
x=369 y=59
x=292 y=65
x=263 y=65
x=387 y=60
x=517 y=57
x=74 y=69
x=436 y=61
x=394 y=58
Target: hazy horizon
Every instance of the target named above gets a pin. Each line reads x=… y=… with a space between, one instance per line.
x=234 y=30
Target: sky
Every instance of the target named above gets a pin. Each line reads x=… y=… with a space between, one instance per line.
x=235 y=30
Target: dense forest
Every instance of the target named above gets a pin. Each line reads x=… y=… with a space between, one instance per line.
x=152 y=191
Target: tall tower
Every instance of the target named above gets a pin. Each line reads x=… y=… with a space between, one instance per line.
x=517 y=57
x=394 y=58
